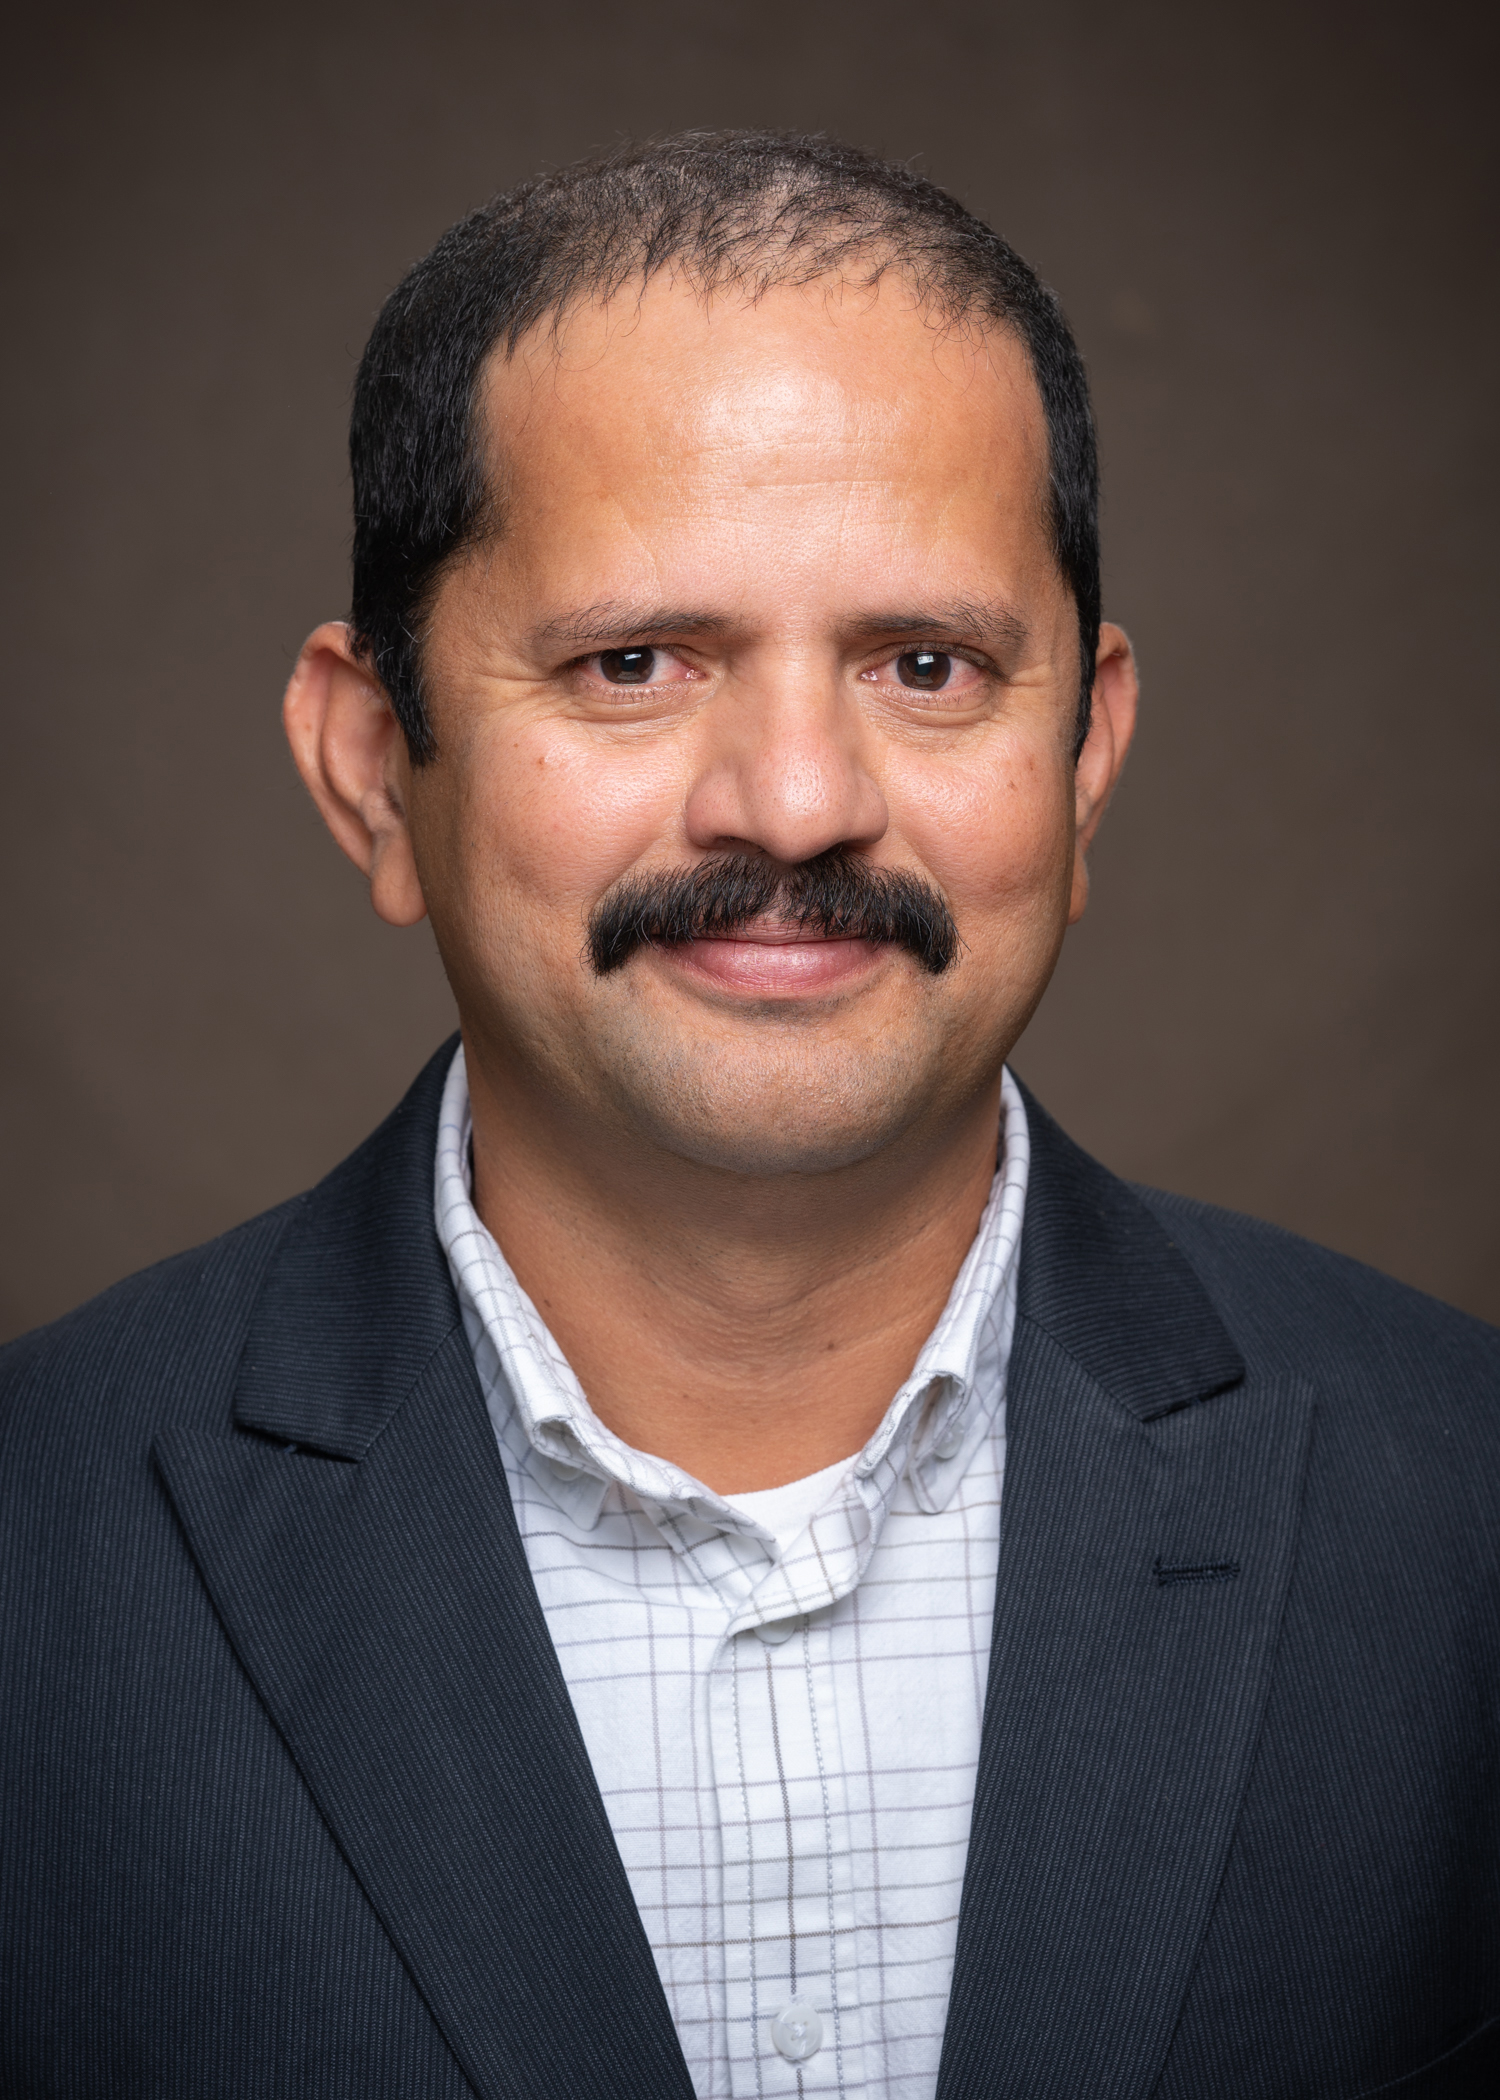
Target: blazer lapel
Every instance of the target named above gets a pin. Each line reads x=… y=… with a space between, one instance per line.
x=1149 y=1517
x=374 y=1586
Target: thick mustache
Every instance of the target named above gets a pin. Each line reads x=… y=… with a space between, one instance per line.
x=838 y=893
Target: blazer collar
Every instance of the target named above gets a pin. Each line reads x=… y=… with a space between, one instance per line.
x=1106 y=1282
x=359 y=1297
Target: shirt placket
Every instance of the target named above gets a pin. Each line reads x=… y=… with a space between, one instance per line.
x=787 y=1899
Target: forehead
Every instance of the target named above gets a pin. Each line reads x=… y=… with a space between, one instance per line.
x=807 y=416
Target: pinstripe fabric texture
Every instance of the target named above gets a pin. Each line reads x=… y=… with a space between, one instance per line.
x=176 y=1920
x=782 y=1696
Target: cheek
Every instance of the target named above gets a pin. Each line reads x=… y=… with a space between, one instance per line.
x=552 y=816
x=997 y=837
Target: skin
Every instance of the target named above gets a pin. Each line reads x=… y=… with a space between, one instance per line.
x=738 y=1178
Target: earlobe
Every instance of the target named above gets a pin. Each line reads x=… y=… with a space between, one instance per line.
x=348 y=748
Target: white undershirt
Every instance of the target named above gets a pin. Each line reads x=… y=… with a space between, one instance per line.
x=785 y=1511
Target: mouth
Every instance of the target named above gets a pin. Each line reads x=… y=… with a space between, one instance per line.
x=776 y=962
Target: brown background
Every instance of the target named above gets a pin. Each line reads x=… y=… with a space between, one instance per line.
x=1271 y=227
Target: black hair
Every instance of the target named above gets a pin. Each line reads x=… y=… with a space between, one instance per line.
x=746 y=208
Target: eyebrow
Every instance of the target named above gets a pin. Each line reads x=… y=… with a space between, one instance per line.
x=606 y=625
x=990 y=617
x=614 y=622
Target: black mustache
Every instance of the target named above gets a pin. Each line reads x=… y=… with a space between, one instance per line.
x=837 y=892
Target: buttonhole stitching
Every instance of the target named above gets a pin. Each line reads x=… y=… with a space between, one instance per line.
x=1168 y=1572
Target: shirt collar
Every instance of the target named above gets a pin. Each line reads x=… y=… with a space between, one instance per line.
x=542 y=1415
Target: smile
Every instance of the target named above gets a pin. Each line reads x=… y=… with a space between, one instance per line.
x=785 y=962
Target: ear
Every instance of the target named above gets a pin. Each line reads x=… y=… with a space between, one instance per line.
x=1111 y=726
x=352 y=756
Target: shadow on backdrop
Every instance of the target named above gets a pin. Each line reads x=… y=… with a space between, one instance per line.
x=1272 y=231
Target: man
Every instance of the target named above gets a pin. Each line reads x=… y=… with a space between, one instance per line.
x=718 y=1553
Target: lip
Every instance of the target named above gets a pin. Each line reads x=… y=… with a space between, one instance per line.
x=776 y=962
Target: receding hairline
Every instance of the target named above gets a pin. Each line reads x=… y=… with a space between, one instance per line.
x=792 y=222
x=753 y=267
x=948 y=316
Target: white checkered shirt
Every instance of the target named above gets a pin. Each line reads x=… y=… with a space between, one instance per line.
x=784 y=1728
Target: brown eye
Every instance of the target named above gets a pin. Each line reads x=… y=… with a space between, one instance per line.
x=627 y=666
x=925 y=669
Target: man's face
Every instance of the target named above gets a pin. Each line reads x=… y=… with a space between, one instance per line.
x=773 y=580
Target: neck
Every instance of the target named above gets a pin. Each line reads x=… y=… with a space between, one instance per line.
x=750 y=1330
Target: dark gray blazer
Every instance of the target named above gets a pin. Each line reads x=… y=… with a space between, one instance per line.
x=293 y=1801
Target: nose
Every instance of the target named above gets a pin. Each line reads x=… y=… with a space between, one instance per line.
x=783 y=773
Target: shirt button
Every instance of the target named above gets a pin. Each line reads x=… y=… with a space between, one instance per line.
x=773 y=1635
x=950 y=1443
x=797 y=2033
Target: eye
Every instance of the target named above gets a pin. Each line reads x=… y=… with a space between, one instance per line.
x=627 y=666
x=925 y=670
x=639 y=664
x=949 y=679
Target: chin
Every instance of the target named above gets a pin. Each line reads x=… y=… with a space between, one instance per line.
x=760 y=1116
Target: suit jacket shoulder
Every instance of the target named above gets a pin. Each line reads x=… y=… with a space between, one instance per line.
x=1283 y=1295
x=1408 y=1388
x=164 y=1346
x=173 y=1330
